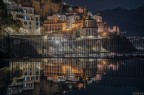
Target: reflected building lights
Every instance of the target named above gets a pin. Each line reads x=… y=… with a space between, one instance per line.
x=54 y=68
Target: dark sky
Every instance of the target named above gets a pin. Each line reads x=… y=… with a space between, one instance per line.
x=96 y=5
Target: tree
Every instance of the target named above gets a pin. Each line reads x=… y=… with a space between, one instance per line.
x=3 y=10
x=8 y=22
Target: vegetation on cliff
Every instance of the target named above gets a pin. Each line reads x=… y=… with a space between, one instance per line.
x=42 y=7
x=6 y=21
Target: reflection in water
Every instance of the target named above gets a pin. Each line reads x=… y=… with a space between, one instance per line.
x=55 y=68
x=78 y=72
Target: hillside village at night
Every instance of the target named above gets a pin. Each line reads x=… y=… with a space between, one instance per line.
x=59 y=18
x=51 y=47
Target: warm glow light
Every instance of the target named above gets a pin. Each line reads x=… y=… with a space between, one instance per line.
x=73 y=70
x=104 y=34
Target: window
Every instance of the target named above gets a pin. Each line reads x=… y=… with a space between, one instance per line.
x=30 y=11
x=25 y=17
x=25 y=78
x=25 y=73
x=30 y=78
x=37 y=23
x=36 y=18
x=25 y=85
x=30 y=18
x=17 y=16
x=30 y=27
x=86 y=23
x=25 y=23
x=36 y=77
x=25 y=11
x=30 y=23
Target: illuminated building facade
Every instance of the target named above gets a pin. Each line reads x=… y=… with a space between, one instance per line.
x=54 y=68
x=103 y=67
x=115 y=29
x=54 y=24
x=30 y=21
x=74 y=22
x=62 y=23
x=104 y=27
x=26 y=73
x=77 y=25
x=89 y=28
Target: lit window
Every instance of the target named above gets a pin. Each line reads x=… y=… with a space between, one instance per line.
x=25 y=17
x=25 y=11
x=25 y=78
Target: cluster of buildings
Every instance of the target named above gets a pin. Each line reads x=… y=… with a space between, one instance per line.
x=30 y=21
x=66 y=70
x=68 y=23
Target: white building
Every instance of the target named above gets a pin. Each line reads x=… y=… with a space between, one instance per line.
x=26 y=73
x=30 y=21
x=89 y=29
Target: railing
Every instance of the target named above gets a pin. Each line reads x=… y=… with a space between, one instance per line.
x=39 y=47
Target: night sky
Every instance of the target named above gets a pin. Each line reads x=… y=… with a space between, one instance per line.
x=97 y=5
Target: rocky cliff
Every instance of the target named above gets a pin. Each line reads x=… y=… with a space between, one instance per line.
x=42 y=7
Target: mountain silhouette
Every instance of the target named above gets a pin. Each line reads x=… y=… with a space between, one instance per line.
x=130 y=21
